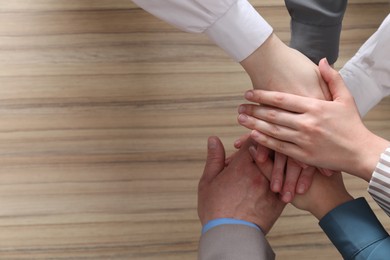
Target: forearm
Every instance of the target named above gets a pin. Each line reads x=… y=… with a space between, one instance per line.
x=275 y=66
x=234 y=25
x=366 y=154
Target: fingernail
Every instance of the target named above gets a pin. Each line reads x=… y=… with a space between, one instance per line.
x=301 y=188
x=241 y=109
x=326 y=61
x=287 y=197
x=242 y=118
x=212 y=143
x=249 y=94
x=276 y=186
x=237 y=143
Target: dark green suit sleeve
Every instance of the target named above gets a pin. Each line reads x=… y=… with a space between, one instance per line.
x=316 y=27
x=356 y=232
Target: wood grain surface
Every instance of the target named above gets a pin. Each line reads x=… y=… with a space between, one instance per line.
x=105 y=112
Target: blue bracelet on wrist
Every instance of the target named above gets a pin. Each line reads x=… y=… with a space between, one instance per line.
x=227 y=221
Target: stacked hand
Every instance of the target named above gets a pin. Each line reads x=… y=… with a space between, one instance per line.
x=275 y=66
x=288 y=177
x=327 y=134
x=325 y=193
x=237 y=190
x=240 y=190
x=299 y=76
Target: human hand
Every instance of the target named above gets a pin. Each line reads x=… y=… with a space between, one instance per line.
x=288 y=176
x=325 y=193
x=275 y=66
x=237 y=191
x=327 y=134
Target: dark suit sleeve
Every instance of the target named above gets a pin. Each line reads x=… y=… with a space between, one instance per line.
x=234 y=242
x=356 y=232
x=316 y=27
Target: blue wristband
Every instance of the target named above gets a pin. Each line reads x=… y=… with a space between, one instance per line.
x=227 y=221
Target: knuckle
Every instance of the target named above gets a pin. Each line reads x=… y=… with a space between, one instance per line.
x=310 y=126
x=275 y=131
x=280 y=146
x=252 y=123
x=271 y=115
x=278 y=99
x=315 y=108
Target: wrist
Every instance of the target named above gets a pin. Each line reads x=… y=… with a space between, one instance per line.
x=259 y=61
x=368 y=156
x=277 y=67
x=227 y=221
x=325 y=206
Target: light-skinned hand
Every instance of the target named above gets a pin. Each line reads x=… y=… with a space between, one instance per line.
x=289 y=177
x=326 y=134
x=325 y=193
x=277 y=67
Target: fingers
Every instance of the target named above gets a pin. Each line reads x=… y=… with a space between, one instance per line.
x=305 y=179
x=285 y=101
x=327 y=172
x=303 y=165
x=334 y=80
x=287 y=148
x=270 y=114
x=260 y=154
x=274 y=130
x=278 y=172
x=263 y=162
x=292 y=174
x=241 y=140
x=215 y=162
x=286 y=180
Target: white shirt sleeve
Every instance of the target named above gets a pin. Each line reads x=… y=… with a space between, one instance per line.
x=367 y=74
x=234 y=25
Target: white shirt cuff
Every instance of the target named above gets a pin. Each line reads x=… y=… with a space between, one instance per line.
x=362 y=86
x=240 y=31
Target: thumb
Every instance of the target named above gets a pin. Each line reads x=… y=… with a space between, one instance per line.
x=215 y=161
x=335 y=82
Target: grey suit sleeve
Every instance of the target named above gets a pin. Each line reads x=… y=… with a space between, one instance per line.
x=316 y=27
x=234 y=242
